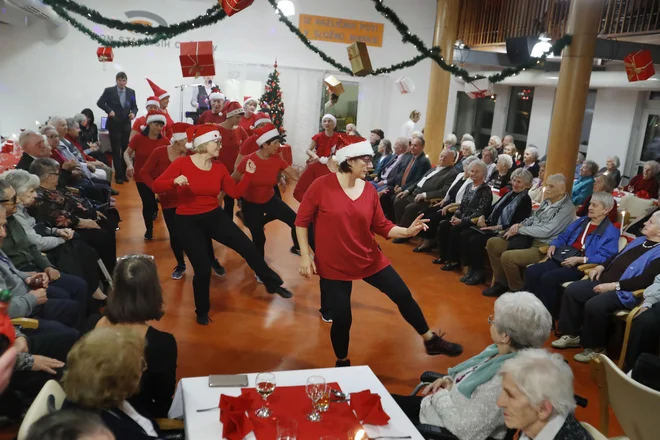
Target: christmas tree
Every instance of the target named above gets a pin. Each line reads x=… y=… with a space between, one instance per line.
x=271 y=101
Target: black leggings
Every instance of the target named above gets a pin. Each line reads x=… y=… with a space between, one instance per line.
x=197 y=231
x=255 y=216
x=149 y=205
x=387 y=281
x=229 y=207
x=176 y=244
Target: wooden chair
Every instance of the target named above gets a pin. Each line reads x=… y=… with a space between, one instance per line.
x=634 y=405
x=27 y=323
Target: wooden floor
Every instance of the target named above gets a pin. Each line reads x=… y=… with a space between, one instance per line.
x=254 y=331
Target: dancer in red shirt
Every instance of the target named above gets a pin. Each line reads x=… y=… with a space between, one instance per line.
x=200 y=179
x=248 y=121
x=233 y=137
x=215 y=115
x=348 y=213
x=139 y=123
x=259 y=201
x=164 y=100
x=141 y=146
x=324 y=143
x=250 y=146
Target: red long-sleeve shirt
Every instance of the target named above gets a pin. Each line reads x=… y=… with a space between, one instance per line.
x=264 y=179
x=158 y=162
x=201 y=193
x=231 y=145
x=311 y=173
x=143 y=147
x=639 y=183
x=345 y=246
x=248 y=124
x=325 y=144
x=208 y=117
x=76 y=144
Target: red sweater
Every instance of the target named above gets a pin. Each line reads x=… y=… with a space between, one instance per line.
x=325 y=144
x=201 y=193
x=311 y=173
x=345 y=246
x=156 y=165
x=247 y=124
x=168 y=130
x=208 y=117
x=76 y=144
x=143 y=147
x=264 y=179
x=639 y=183
x=138 y=123
x=231 y=145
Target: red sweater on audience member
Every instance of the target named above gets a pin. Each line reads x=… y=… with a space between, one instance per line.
x=311 y=173
x=208 y=117
x=638 y=183
x=264 y=179
x=143 y=147
x=345 y=246
x=248 y=124
x=156 y=165
x=324 y=143
x=201 y=193
x=231 y=145
x=76 y=144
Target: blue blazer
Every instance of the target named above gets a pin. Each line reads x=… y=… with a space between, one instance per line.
x=599 y=246
x=384 y=163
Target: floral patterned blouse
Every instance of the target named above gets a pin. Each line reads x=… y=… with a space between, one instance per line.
x=60 y=208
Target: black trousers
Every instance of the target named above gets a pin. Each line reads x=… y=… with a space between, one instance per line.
x=449 y=240
x=256 y=214
x=325 y=302
x=169 y=215
x=434 y=215
x=70 y=287
x=104 y=243
x=119 y=131
x=474 y=245
x=387 y=203
x=410 y=405
x=545 y=280
x=387 y=281
x=644 y=336
x=197 y=231
x=582 y=308
x=75 y=257
x=149 y=205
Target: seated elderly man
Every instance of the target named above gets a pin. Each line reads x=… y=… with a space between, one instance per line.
x=537 y=397
x=645 y=332
x=518 y=247
x=36 y=145
x=433 y=185
x=584 y=186
x=390 y=173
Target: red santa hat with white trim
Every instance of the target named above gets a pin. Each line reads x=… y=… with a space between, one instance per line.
x=266 y=133
x=349 y=147
x=201 y=134
x=153 y=100
x=233 y=108
x=158 y=92
x=261 y=118
x=248 y=99
x=216 y=94
x=179 y=131
x=155 y=116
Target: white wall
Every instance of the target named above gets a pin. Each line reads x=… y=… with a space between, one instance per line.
x=539 y=123
x=67 y=70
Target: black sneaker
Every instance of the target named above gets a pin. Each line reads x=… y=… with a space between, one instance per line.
x=439 y=345
x=326 y=316
x=217 y=268
x=178 y=272
x=466 y=277
x=203 y=319
x=295 y=250
x=149 y=235
x=282 y=291
x=344 y=363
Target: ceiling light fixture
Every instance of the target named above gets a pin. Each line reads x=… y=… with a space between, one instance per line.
x=542 y=46
x=286 y=7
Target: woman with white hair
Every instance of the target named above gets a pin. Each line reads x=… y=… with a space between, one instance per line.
x=250 y=116
x=467 y=137
x=602 y=183
x=500 y=178
x=646 y=181
x=324 y=143
x=530 y=159
x=537 y=397
x=464 y=401
x=584 y=186
x=468 y=149
x=512 y=151
x=450 y=141
x=495 y=142
x=489 y=156
x=611 y=169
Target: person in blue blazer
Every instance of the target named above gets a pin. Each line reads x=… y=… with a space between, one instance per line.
x=584 y=185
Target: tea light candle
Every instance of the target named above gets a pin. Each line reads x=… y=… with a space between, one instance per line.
x=623 y=219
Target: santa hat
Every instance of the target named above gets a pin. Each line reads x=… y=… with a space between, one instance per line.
x=216 y=95
x=179 y=131
x=331 y=117
x=155 y=116
x=201 y=134
x=153 y=100
x=261 y=118
x=160 y=93
x=266 y=133
x=352 y=146
x=248 y=99
x=233 y=108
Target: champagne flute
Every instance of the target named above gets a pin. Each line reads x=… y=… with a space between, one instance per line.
x=316 y=388
x=265 y=387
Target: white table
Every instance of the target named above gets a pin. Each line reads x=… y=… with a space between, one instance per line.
x=194 y=393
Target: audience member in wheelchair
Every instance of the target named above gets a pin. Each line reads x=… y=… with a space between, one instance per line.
x=586 y=305
x=603 y=183
x=476 y=202
x=509 y=210
x=645 y=332
x=500 y=178
x=537 y=397
x=464 y=401
x=591 y=239
x=69 y=425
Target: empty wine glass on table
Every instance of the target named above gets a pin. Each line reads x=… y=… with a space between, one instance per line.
x=287 y=428
x=265 y=387
x=316 y=388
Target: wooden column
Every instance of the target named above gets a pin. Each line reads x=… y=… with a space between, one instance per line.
x=571 y=100
x=444 y=36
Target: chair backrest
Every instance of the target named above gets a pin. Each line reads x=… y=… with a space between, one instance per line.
x=51 y=391
x=596 y=434
x=635 y=405
x=635 y=206
x=622 y=243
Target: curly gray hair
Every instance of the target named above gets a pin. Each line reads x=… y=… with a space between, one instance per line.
x=524 y=318
x=20 y=180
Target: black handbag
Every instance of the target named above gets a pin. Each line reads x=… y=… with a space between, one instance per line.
x=564 y=252
x=519 y=241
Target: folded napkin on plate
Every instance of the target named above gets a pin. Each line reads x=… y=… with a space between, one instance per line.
x=368 y=408
x=235 y=422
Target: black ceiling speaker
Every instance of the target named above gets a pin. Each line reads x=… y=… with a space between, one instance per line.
x=518 y=49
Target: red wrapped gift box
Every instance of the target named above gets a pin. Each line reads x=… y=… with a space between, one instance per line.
x=232 y=7
x=105 y=54
x=197 y=59
x=639 y=65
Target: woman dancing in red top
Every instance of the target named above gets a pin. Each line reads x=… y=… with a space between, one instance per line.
x=348 y=212
x=200 y=179
x=248 y=120
x=324 y=143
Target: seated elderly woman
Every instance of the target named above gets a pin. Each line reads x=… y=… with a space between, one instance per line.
x=605 y=184
x=495 y=142
x=646 y=181
x=537 y=397
x=63 y=209
x=69 y=425
x=518 y=247
x=611 y=169
x=476 y=202
x=386 y=156
x=464 y=401
x=584 y=186
x=536 y=191
x=73 y=136
x=468 y=149
x=511 y=209
x=135 y=300
x=500 y=178
x=586 y=305
x=512 y=151
x=489 y=156
x=530 y=160
x=591 y=239
x=104 y=369
x=451 y=142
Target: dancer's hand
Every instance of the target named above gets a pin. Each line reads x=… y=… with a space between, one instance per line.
x=307 y=267
x=181 y=181
x=417 y=226
x=130 y=171
x=250 y=167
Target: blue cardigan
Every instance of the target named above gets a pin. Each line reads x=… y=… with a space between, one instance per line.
x=383 y=163
x=599 y=246
x=582 y=189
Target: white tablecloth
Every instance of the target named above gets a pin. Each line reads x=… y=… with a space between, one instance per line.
x=194 y=393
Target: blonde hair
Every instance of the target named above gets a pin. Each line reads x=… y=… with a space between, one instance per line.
x=201 y=148
x=104 y=368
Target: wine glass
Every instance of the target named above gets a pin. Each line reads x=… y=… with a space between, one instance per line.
x=316 y=388
x=265 y=387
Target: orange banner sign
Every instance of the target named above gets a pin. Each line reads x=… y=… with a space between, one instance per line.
x=339 y=30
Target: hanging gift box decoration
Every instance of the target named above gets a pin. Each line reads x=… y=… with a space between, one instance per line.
x=405 y=85
x=334 y=85
x=639 y=65
x=197 y=59
x=480 y=88
x=232 y=7
x=359 y=58
x=105 y=54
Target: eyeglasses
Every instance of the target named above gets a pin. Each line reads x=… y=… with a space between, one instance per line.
x=136 y=257
x=490 y=320
x=12 y=200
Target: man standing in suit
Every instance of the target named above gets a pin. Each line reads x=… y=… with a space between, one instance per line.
x=120 y=105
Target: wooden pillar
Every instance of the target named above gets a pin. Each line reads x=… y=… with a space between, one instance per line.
x=584 y=20
x=444 y=36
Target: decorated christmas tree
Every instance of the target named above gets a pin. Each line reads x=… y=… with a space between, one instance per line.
x=271 y=101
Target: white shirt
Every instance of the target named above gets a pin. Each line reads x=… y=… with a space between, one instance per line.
x=144 y=423
x=390 y=168
x=429 y=175
x=407 y=129
x=549 y=431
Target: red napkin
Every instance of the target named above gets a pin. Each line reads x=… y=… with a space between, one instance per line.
x=368 y=408
x=643 y=194
x=235 y=422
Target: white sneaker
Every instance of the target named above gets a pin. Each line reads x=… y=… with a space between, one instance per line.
x=587 y=355
x=567 y=341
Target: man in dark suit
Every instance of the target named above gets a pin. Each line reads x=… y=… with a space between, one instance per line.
x=34 y=146
x=433 y=185
x=120 y=105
